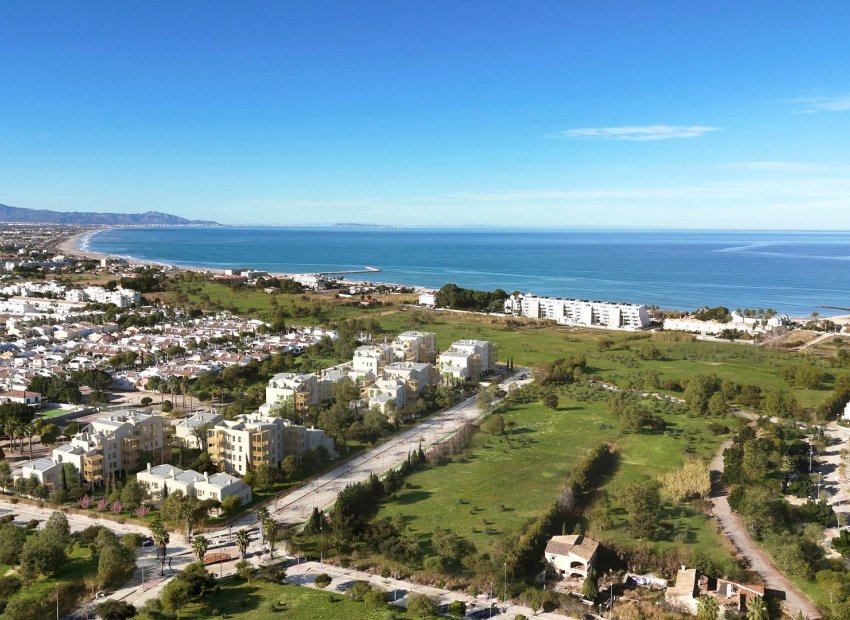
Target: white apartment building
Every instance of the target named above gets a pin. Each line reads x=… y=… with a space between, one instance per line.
x=579 y=312
x=252 y=440
x=185 y=432
x=165 y=479
x=117 y=441
x=121 y=297
x=415 y=346
x=466 y=361
x=302 y=389
x=372 y=358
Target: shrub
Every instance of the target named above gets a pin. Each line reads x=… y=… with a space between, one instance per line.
x=323 y=581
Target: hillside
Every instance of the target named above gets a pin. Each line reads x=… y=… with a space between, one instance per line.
x=84 y=218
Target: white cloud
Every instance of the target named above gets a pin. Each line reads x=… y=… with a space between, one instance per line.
x=834 y=103
x=775 y=166
x=639 y=133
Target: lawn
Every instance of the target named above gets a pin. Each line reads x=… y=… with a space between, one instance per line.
x=253 y=601
x=52 y=413
x=531 y=343
x=507 y=481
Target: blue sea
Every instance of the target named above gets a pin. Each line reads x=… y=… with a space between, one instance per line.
x=792 y=272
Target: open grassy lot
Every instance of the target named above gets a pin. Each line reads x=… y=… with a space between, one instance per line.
x=507 y=481
x=616 y=360
x=296 y=309
x=253 y=601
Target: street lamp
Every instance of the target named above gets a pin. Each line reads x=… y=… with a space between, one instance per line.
x=505 y=591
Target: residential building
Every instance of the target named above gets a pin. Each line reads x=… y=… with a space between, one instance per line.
x=571 y=556
x=301 y=389
x=747 y=324
x=415 y=346
x=372 y=358
x=690 y=585
x=579 y=312
x=164 y=479
x=33 y=399
x=466 y=361
x=186 y=431
x=250 y=441
x=117 y=442
x=45 y=470
x=429 y=300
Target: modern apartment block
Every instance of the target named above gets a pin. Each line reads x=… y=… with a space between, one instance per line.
x=372 y=359
x=252 y=440
x=415 y=346
x=466 y=361
x=116 y=443
x=302 y=389
x=579 y=312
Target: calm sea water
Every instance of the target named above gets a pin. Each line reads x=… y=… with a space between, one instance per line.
x=792 y=272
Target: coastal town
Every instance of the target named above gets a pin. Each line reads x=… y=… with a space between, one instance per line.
x=255 y=440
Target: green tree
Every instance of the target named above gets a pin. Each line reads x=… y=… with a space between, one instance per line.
x=641 y=499
x=57 y=528
x=133 y=494
x=457 y=609
x=41 y=555
x=699 y=390
x=199 y=546
x=756 y=609
x=550 y=400
x=115 y=610
x=422 y=605
x=243 y=539
x=114 y=563
x=12 y=540
x=707 y=608
x=590 y=589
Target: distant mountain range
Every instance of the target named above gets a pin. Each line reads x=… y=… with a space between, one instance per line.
x=84 y=218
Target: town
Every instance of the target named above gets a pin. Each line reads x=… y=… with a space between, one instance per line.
x=268 y=448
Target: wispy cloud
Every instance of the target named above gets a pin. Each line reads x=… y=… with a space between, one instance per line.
x=834 y=103
x=775 y=166
x=639 y=133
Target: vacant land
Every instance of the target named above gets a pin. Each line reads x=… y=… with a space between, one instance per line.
x=295 y=309
x=614 y=356
x=508 y=480
x=260 y=600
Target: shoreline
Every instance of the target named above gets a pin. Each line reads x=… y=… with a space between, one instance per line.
x=77 y=245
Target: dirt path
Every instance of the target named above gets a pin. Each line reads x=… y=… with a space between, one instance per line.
x=734 y=529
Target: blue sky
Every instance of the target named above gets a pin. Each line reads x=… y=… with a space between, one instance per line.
x=710 y=114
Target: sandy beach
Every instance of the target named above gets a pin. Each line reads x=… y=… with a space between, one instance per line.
x=77 y=245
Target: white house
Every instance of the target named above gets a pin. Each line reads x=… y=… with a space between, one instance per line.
x=429 y=300
x=33 y=399
x=571 y=556
x=466 y=361
x=846 y=415
x=45 y=470
x=165 y=479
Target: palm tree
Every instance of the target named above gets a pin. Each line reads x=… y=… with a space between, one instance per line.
x=200 y=545
x=242 y=542
x=270 y=530
x=200 y=433
x=707 y=608
x=161 y=539
x=262 y=516
x=756 y=609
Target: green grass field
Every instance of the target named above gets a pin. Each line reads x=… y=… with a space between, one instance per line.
x=534 y=343
x=252 y=601
x=295 y=309
x=52 y=413
x=507 y=481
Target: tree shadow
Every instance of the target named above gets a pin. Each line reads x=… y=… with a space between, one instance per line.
x=413 y=497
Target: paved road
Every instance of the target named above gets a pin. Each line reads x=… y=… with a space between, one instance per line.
x=305 y=575
x=735 y=530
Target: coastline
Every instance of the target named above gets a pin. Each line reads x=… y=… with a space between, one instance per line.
x=79 y=245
